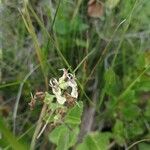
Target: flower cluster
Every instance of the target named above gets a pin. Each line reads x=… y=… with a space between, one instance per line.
x=63 y=84
x=65 y=91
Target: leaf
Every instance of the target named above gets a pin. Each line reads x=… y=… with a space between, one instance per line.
x=92 y=143
x=95 y=9
x=62 y=26
x=73 y=117
x=144 y=146
x=49 y=118
x=129 y=97
x=111 y=106
x=53 y=106
x=103 y=139
x=143 y=86
x=111 y=82
x=63 y=142
x=9 y=137
x=140 y=62
x=147 y=110
x=134 y=128
x=131 y=112
x=118 y=132
x=74 y=114
x=147 y=58
x=112 y=3
x=48 y=98
x=62 y=132
x=95 y=141
x=55 y=134
x=78 y=25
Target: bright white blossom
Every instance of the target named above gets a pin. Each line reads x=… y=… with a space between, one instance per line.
x=67 y=80
x=55 y=86
x=60 y=99
x=57 y=91
x=72 y=83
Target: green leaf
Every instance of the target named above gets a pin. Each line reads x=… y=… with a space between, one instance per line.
x=10 y=138
x=74 y=114
x=140 y=63
x=49 y=117
x=78 y=25
x=134 y=128
x=95 y=141
x=144 y=146
x=57 y=136
x=62 y=26
x=129 y=97
x=111 y=82
x=63 y=141
x=111 y=106
x=48 y=98
x=131 y=112
x=143 y=86
x=73 y=136
x=69 y=130
x=119 y=133
x=53 y=106
x=147 y=110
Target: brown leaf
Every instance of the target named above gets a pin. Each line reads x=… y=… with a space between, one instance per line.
x=95 y=9
x=32 y=104
x=40 y=95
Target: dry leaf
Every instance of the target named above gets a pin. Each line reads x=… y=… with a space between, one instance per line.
x=32 y=102
x=95 y=9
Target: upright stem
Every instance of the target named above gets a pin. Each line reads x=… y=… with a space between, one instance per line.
x=38 y=127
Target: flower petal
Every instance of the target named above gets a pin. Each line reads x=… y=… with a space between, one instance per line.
x=60 y=99
x=74 y=92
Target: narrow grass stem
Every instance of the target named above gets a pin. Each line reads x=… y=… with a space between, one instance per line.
x=137 y=142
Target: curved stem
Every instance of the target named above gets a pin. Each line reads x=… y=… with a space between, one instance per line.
x=137 y=142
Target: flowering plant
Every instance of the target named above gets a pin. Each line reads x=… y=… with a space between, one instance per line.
x=65 y=94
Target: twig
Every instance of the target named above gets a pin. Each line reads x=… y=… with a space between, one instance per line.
x=38 y=127
x=137 y=142
x=45 y=125
x=111 y=145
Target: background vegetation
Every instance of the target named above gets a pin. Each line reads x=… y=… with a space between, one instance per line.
x=106 y=43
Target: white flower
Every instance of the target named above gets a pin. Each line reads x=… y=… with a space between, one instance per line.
x=57 y=91
x=55 y=86
x=74 y=92
x=64 y=76
x=60 y=99
x=72 y=83
x=67 y=80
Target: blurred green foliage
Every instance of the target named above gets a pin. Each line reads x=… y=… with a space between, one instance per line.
x=60 y=35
